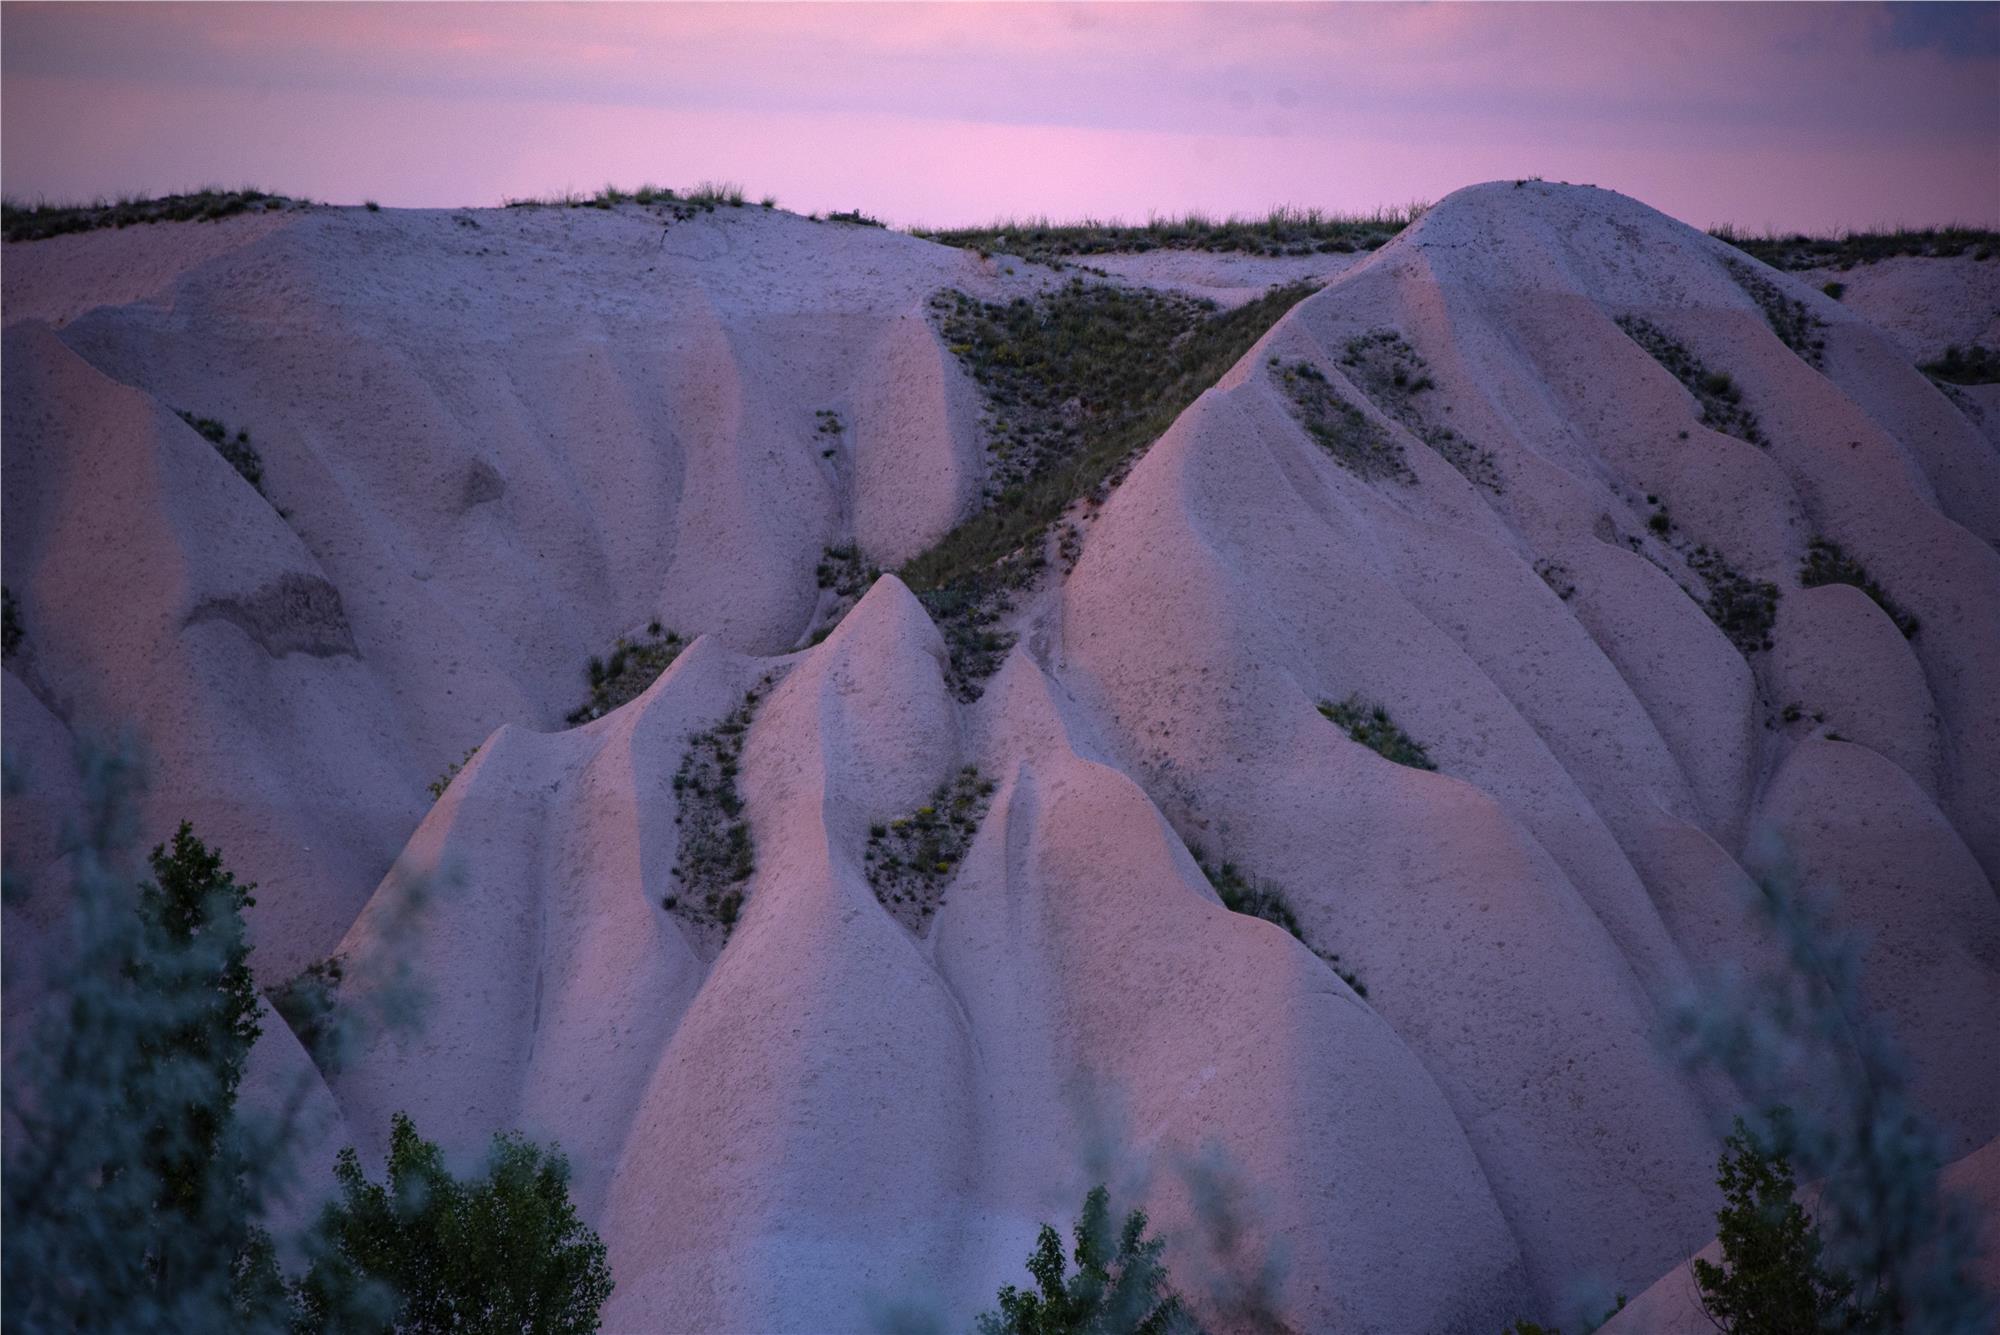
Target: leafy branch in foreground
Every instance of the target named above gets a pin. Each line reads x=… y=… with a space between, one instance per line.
x=1119 y=1288
x=505 y=1252
x=1800 y=1036
x=132 y=1187
x=134 y=1183
x=1770 y=1280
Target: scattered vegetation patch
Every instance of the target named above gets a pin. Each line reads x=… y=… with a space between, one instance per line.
x=1283 y=231
x=1370 y=725
x=1798 y=328
x=11 y=629
x=1120 y=1284
x=625 y=673
x=309 y=1003
x=910 y=859
x=712 y=193
x=1265 y=899
x=1078 y=381
x=1797 y=250
x=1395 y=376
x=236 y=450
x=844 y=575
x=36 y=222
x=855 y=217
x=1556 y=575
x=847 y=572
x=1974 y=364
x=829 y=428
x=1745 y=609
x=715 y=855
x=680 y=206
x=1720 y=399
x=1356 y=441
x=1835 y=290
x=437 y=786
x=1828 y=563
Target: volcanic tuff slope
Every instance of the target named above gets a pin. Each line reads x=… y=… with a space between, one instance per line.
x=494 y=442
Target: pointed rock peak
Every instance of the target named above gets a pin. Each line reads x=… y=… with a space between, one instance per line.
x=1023 y=714
x=887 y=619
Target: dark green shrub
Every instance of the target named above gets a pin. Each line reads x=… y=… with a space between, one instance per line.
x=1798 y=250
x=503 y=1252
x=1721 y=401
x=715 y=855
x=1266 y=900
x=1745 y=609
x=22 y=222
x=437 y=786
x=1973 y=364
x=1119 y=1287
x=1370 y=725
x=1395 y=377
x=236 y=451
x=1797 y=327
x=855 y=217
x=632 y=666
x=912 y=858
x=1834 y=290
x=1283 y=231
x=1827 y=563
x=1077 y=383
x=1356 y=441
x=1770 y=1281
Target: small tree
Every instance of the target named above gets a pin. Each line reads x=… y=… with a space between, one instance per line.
x=1770 y=1281
x=131 y=1192
x=505 y=1252
x=1889 y=1226
x=193 y=897
x=1116 y=1290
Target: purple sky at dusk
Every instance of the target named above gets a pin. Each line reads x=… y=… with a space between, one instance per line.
x=1792 y=116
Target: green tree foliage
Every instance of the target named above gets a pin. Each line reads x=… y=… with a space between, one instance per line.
x=131 y=1190
x=1119 y=1288
x=1888 y=1225
x=133 y=1182
x=193 y=896
x=505 y=1252
x=1770 y=1281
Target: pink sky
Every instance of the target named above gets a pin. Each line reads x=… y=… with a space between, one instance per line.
x=1804 y=115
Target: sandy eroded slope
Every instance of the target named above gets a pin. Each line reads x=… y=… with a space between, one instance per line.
x=495 y=441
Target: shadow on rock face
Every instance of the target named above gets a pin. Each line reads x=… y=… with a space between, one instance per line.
x=293 y=614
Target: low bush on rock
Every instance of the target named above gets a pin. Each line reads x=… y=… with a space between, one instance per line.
x=1827 y=563
x=624 y=674
x=1721 y=401
x=1266 y=900
x=1396 y=379
x=236 y=450
x=1356 y=441
x=1370 y=725
x=911 y=859
x=715 y=856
